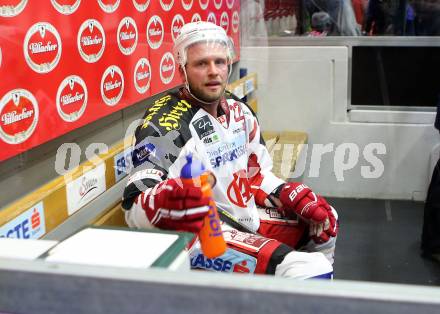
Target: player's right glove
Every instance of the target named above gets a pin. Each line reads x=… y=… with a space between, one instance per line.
x=299 y=199
x=172 y=206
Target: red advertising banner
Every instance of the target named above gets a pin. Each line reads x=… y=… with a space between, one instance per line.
x=66 y=63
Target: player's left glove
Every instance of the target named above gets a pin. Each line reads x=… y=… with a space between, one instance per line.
x=299 y=199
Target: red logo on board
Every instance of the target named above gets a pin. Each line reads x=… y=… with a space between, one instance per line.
x=42 y=47
x=142 y=75
x=9 y=8
x=204 y=4
x=71 y=98
x=176 y=25
x=112 y=85
x=109 y=6
x=218 y=4
x=187 y=4
x=229 y=3
x=166 y=4
x=224 y=21
x=18 y=116
x=155 y=32
x=211 y=18
x=235 y=21
x=141 y=6
x=196 y=17
x=167 y=68
x=66 y=6
x=91 y=41
x=127 y=35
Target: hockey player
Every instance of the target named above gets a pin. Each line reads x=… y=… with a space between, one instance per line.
x=277 y=227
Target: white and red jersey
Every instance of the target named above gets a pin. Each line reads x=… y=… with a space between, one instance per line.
x=230 y=146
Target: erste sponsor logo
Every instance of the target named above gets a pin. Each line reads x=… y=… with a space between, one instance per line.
x=28 y=225
x=18 y=116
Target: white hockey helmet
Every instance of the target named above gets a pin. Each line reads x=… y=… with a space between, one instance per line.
x=200 y=31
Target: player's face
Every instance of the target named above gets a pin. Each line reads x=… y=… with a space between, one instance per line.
x=207 y=70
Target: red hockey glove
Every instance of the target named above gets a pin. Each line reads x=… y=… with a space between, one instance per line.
x=173 y=206
x=299 y=198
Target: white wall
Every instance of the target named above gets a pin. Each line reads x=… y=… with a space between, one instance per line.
x=306 y=88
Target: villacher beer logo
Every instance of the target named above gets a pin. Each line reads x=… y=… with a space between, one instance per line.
x=229 y=3
x=112 y=85
x=166 y=4
x=176 y=25
x=187 y=4
x=18 y=116
x=218 y=4
x=235 y=21
x=10 y=8
x=109 y=6
x=167 y=68
x=196 y=17
x=224 y=21
x=141 y=6
x=211 y=18
x=66 y=6
x=204 y=4
x=155 y=32
x=142 y=75
x=71 y=98
x=127 y=35
x=91 y=41
x=42 y=47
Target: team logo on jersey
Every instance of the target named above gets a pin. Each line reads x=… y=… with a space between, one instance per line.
x=109 y=6
x=176 y=25
x=218 y=4
x=91 y=41
x=196 y=17
x=10 y=8
x=155 y=32
x=171 y=120
x=229 y=3
x=112 y=85
x=239 y=190
x=142 y=75
x=224 y=21
x=71 y=98
x=66 y=7
x=42 y=47
x=166 y=4
x=235 y=21
x=141 y=6
x=204 y=4
x=187 y=4
x=18 y=116
x=127 y=35
x=167 y=68
x=211 y=18
x=203 y=126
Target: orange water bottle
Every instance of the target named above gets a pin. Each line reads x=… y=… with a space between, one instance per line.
x=211 y=236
